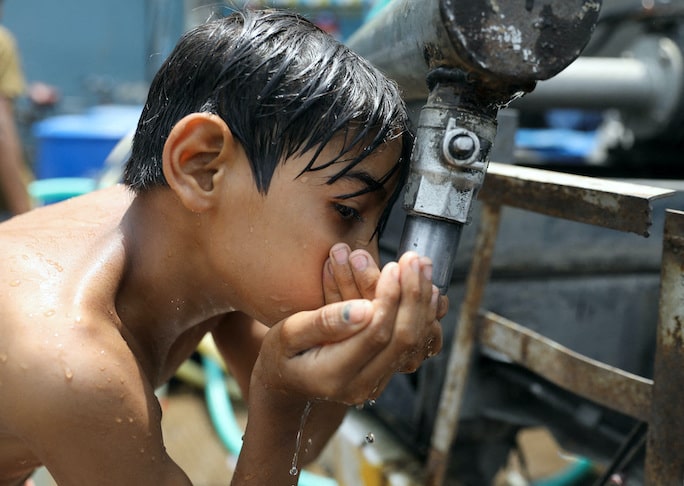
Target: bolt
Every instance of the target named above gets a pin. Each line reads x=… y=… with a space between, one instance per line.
x=461 y=146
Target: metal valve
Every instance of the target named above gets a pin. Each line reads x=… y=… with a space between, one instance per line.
x=460 y=146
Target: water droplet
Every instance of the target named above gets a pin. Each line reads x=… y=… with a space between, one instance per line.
x=142 y=450
x=49 y=313
x=15 y=283
x=371 y=403
x=118 y=420
x=68 y=374
x=293 y=471
x=370 y=438
x=130 y=420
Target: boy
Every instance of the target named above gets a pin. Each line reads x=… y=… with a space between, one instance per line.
x=266 y=152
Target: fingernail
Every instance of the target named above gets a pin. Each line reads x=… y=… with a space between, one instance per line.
x=394 y=270
x=435 y=296
x=359 y=261
x=415 y=265
x=341 y=255
x=354 y=312
x=427 y=271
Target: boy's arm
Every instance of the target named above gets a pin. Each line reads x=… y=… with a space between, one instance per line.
x=92 y=419
x=239 y=340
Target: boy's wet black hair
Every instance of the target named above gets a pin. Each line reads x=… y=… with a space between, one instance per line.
x=283 y=86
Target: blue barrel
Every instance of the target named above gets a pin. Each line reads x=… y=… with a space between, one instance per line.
x=77 y=145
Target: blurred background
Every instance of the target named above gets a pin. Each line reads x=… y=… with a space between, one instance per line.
x=107 y=52
x=104 y=54
x=94 y=61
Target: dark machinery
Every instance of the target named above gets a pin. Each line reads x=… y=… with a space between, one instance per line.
x=460 y=64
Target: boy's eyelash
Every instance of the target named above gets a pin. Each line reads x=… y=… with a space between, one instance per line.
x=348 y=213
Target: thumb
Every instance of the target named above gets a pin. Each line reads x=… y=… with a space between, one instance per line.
x=329 y=324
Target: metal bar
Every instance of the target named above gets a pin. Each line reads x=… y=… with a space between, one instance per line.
x=665 y=443
x=645 y=85
x=595 y=83
x=612 y=387
x=618 y=205
x=458 y=367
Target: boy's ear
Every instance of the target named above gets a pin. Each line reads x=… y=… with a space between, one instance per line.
x=195 y=155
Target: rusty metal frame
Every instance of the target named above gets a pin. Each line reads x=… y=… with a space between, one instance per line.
x=665 y=440
x=616 y=205
x=612 y=387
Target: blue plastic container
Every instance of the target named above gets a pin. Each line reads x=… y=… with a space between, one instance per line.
x=77 y=145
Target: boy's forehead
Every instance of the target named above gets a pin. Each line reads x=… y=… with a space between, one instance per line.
x=382 y=158
x=327 y=165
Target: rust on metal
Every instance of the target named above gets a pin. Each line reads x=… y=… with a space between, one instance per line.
x=665 y=442
x=500 y=38
x=611 y=204
x=612 y=387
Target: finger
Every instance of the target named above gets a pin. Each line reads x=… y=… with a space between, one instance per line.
x=365 y=272
x=435 y=342
x=418 y=304
x=330 y=324
x=422 y=274
x=342 y=271
x=344 y=362
x=377 y=334
x=331 y=292
x=442 y=306
x=413 y=318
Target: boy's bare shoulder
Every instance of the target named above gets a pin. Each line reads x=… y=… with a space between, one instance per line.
x=60 y=342
x=72 y=389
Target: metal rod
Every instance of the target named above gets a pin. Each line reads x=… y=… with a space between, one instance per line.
x=458 y=366
x=595 y=83
x=665 y=442
x=437 y=239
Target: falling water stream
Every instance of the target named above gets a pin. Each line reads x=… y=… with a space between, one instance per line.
x=294 y=470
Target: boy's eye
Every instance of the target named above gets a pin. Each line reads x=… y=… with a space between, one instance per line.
x=348 y=213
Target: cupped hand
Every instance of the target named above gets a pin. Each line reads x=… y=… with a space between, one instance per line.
x=375 y=324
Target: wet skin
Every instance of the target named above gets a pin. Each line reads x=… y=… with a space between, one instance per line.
x=103 y=296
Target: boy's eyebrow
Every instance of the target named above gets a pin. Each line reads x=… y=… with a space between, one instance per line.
x=371 y=183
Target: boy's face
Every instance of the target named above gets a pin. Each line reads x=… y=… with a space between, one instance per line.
x=278 y=243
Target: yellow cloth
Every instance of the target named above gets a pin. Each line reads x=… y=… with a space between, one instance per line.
x=11 y=76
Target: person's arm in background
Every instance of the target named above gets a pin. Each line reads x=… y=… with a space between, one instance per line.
x=12 y=170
